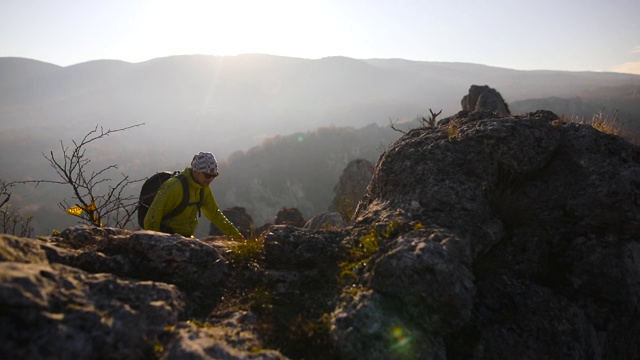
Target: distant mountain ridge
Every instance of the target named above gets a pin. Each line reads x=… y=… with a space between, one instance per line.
x=237 y=101
x=274 y=86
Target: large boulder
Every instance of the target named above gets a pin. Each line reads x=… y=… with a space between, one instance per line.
x=240 y=218
x=114 y=294
x=188 y=263
x=325 y=221
x=508 y=238
x=351 y=186
x=289 y=216
x=485 y=98
x=56 y=311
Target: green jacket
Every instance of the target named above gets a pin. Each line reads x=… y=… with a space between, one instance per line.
x=169 y=197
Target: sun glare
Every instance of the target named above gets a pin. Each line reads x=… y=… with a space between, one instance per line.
x=234 y=27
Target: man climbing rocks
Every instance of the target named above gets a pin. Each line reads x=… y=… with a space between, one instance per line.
x=198 y=176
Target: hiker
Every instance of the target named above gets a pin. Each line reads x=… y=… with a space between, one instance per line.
x=199 y=175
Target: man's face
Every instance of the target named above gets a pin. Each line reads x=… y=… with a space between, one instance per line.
x=204 y=179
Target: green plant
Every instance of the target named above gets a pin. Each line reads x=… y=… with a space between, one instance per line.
x=367 y=245
x=316 y=329
x=260 y=298
x=246 y=251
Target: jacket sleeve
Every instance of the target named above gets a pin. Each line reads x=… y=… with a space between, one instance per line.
x=211 y=210
x=168 y=197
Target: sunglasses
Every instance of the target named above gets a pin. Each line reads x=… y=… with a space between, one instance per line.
x=209 y=176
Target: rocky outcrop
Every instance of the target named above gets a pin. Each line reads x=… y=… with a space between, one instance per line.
x=285 y=216
x=325 y=221
x=510 y=238
x=289 y=216
x=521 y=240
x=56 y=311
x=484 y=98
x=351 y=186
x=240 y=218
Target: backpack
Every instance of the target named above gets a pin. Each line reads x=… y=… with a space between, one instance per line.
x=150 y=189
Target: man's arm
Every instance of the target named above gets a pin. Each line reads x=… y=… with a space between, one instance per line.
x=212 y=212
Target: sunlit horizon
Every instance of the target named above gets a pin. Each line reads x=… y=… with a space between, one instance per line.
x=568 y=35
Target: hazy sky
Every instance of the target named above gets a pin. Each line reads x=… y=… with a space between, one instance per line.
x=575 y=35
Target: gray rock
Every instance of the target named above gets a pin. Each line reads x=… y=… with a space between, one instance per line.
x=531 y=224
x=188 y=263
x=351 y=186
x=55 y=311
x=289 y=216
x=482 y=237
x=325 y=221
x=485 y=98
x=229 y=337
x=240 y=218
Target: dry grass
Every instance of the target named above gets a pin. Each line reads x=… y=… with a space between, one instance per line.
x=609 y=123
x=453 y=129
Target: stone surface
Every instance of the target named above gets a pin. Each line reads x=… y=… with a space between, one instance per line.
x=325 y=221
x=55 y=311
x=231 y=336
x=531 y=224
x=351 y=186
x=240 y=218
x=289 y=216
x=508 y=238
x=485 y=98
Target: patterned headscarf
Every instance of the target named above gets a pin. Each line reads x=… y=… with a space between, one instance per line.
x=205 y=162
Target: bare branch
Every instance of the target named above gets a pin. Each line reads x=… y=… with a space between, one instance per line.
x=431 y=121
x=393 y=126
x=4 y=192
x=72 y=167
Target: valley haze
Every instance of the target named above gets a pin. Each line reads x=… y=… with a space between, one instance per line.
x=233 y=104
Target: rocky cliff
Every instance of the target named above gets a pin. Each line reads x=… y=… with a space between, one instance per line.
x=480 y=238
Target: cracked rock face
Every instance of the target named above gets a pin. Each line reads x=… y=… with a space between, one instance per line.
x=483 y=237
x=56 y=311
x=532 y=226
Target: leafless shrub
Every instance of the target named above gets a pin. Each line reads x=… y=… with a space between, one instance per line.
x=110 y=207
x=11 y=219
x=431 y=121
x=5 y=195
x=14 y=223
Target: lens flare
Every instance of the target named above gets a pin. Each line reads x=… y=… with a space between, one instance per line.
x=401 y=340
